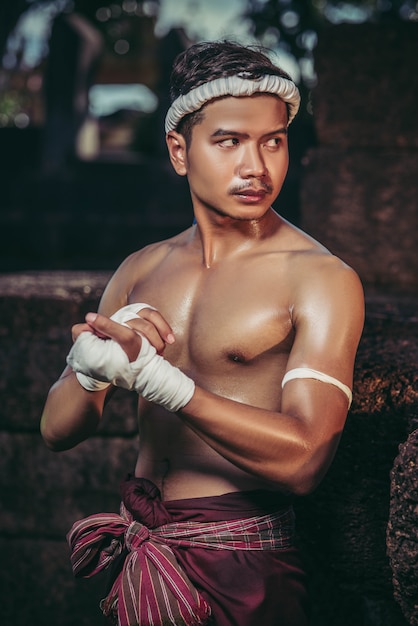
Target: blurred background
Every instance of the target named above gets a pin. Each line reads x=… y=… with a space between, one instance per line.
x=84 y=176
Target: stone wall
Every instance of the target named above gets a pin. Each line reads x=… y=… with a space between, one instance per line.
x=360 y=186
x=359 y=197
x=42 y=493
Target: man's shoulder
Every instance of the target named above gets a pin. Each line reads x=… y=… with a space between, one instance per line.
x=311 y=267
x=317 y=267
x=135 y=268
x=305 y=251
x=324 y=282
x=152 y=254
x=297 y=241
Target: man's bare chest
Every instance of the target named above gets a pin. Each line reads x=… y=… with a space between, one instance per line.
x=231 y=314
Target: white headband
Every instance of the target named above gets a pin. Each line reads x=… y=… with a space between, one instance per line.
x=232 y=86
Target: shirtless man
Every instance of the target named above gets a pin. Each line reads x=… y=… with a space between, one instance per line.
x=231 y=305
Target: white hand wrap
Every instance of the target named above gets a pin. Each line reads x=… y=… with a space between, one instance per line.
x=99 y=362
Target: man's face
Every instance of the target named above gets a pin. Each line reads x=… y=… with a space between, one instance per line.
x=238 y=156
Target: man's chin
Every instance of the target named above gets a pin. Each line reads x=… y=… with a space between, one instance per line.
x=244 y=214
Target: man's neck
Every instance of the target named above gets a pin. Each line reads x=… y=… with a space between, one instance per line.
x=221 y=237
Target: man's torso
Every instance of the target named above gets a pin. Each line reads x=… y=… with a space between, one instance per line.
x=234 y=331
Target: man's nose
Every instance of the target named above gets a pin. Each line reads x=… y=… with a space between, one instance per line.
x=252 y=163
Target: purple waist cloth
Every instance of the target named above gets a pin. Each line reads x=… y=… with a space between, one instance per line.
x=142 y=498
x=243 y=587
x=152 y=587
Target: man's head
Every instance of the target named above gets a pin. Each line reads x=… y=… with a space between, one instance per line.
x=210 y=70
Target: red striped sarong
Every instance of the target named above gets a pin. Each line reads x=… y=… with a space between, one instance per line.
x=152 y=589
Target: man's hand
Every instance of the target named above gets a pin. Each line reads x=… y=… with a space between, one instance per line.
x=128 y=360
x=144 y=320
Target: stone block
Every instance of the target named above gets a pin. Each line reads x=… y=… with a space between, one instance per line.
x=43 y=492
x=402 y=534
x=36 y=314
x=362 y=205
x=367 y=85
x=38 y=587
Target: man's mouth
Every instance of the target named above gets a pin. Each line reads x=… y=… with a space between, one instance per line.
x=251 y=195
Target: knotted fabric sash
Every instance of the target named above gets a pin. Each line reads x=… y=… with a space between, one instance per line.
x=152 y=589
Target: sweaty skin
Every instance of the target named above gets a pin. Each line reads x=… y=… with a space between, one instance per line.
x=241 y=297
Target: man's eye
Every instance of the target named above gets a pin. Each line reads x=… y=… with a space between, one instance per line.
x=273 y=142
x=229 y=143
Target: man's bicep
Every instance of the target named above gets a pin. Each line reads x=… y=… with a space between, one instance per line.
x=328 y=320
x=321 y=411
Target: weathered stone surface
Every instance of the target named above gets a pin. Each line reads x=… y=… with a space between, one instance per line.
x=91 y=217
x=43 y=492
x=402 y=533
x=362 y=205
x=61 y=285
x=38 y=587
x=36 y=315
x=367 y=85
x=386 y=374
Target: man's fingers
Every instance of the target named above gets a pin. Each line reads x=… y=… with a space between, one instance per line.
x=148 y=330
x=151 y=321
x=77 y=329
x=128 y=339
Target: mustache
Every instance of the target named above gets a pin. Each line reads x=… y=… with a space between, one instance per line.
x=261 y=186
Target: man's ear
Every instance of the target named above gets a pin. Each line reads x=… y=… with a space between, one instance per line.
x=176 y=145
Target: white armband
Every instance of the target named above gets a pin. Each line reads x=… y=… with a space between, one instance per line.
x=307 y=372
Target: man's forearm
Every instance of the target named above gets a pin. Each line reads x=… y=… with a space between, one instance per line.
x=287 y=451
x=71 y=414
